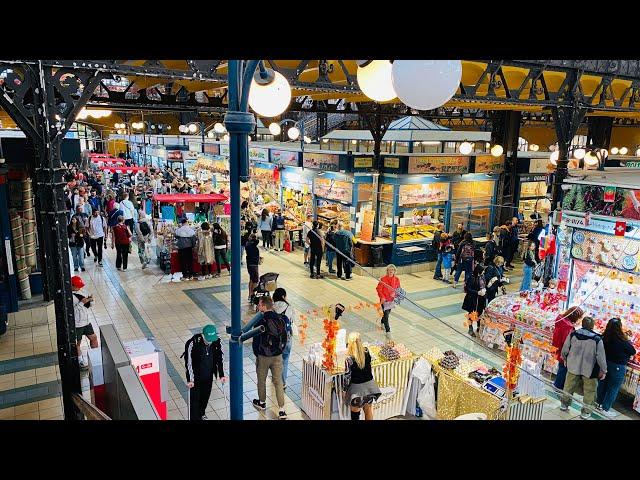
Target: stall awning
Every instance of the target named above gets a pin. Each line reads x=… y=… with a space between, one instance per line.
x=124 y=169
x=108 y=161
x=190 y=198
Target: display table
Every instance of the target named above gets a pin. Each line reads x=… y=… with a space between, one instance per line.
x=323 y=395
x=367 y=257
x=195 y=265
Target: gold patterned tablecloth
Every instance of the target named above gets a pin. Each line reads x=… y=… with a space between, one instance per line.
x=457 y=397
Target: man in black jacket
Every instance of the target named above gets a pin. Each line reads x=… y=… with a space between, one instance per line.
x=202 y=360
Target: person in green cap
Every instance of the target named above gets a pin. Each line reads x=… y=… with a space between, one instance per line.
x=202 y=360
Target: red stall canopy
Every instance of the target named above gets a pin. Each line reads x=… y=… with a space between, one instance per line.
x=190 y=198
x=108 y=161
x=124 y=169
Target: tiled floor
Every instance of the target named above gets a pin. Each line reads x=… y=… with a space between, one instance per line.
x=145 y=303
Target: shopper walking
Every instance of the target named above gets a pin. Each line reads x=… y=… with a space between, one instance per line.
x=306 y=228
x=144 y=233
x=529 y=265
x=97 y=228
x=330 y=242
x=253 y=262
x=563 y=327
x=361 y=389
x=446 y=250
x=75 y=234
x=316 y=247
x=344 y=245
x=475 y=297
x=81 y=304
x=494 y=278
x=618 y=350
x=206 y=255
x=121 y=240
x=437 y=236
x=268 y=347
x=586 y=361
x=458 y=235
x=220 y=245
x=185 y=241
x=465 y=254
x=492 y=248
x=278 y=231
x=283 y=308
x=387 y=289
x=533 y=236
x=265 y=224
x=128 y=211
x=514 y=241
x=203 y=359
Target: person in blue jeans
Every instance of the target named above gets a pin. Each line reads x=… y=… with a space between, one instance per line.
x=282 y=307
x=464 y=259
x=529 y=264
x=618 y=350
x=330 y=240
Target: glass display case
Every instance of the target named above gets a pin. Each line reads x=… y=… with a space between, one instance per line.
x=471 y=206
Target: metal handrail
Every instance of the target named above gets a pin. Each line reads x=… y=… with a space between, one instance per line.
x=90 y=411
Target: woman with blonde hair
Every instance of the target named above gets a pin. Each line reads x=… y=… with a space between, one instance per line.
x=362 y=389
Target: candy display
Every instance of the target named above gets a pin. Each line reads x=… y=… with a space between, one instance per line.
x=386 y=352
x=534 y=309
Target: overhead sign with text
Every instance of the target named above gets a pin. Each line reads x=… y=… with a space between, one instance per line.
x=439 y=165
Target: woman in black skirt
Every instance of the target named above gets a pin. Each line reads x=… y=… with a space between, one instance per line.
x=474 y=300
x=363 y=389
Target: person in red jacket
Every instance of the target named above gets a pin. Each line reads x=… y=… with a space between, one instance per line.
x=387 y=288
x=563 y=327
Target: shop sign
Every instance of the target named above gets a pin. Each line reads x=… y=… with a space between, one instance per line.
x=362 y=162
x=421 y=194
x=489 y=164
x=224 y=149
x=630 y=164
x=190 y=155
x=212 y=148
x=194 y=146
x=595 y=225
x=174 y=155
x=392 y=162
x=284 y=157
x=333 y=189
x=538 y=165
x=258 y=154
x=532 y=178
x=438 y=165
x=321 y=161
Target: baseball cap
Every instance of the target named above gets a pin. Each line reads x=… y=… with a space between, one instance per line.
x=210 y=333
x=77 y=282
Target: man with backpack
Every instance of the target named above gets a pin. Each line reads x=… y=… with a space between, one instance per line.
x=584 y=356
x=202 y=360
x=278 y=231
x=464 y=258
x=268 y=347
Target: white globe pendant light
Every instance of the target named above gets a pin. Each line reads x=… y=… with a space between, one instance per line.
x=275 y=129
x=614 y=151
x=426 y=84
x=270 y=99
x=219 y=128
x=293 y=133
x=591 y=159
x=374 y=79
x=465 y=148
x=497 y=150
x=193 y=128
x=210 y=134
x=579 y=153
x=623 y=151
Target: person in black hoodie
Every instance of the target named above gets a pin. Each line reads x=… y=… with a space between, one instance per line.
x=491 y=249
x=618 y=350
x=533 y=236
x=220 y=242
x=202 y=361
x=253 y=262
x=474 y=299
x=494 y=278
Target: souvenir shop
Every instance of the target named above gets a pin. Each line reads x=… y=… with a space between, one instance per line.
x=418 y=192
x=598 y=265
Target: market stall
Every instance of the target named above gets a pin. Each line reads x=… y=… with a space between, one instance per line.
x=419 y=191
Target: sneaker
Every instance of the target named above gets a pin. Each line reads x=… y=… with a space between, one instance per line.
x=282 y=415
x=204 y=417
x=118 y=268
x=610 y=413
x=598 y=407
x=76 y=270
x=200 y=279
x=306 y=263
x=332 y=271
x=472 y=333
x=585 y=415
x=348 y=278
x=322 y=276
x=100 y=264
x=564 y=408
x=284 y=386
x=312 y=276
x=259 y=405
x=144 y=265
x=82 y=269
x=124 y=269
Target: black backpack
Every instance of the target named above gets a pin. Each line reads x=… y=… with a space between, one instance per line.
x=144 y=228
x=274 y=338
x=468 y=251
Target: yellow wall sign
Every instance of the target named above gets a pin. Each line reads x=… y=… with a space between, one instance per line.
x=489 y=164
x=392 y=162
x=439 y=164
x=362 y=162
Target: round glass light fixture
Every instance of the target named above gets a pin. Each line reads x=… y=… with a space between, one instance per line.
x=270 y=99
x=553 y=158
x=638 y=152
x=219 y=128
x=623 y=151
x=534 y=147
x=307 y=139
x=193 y=128
x=497 y=150
x=210 y=134
x=153 y=127
x=426 y=84
x=591 y=159
x=579 y=153
x=614 y=150
x=293 y=133
x=168 y=127
x=275 y=128
x=374 y=79
x=354 y=142
x=226 y=137
x=325 y=140
x=465 y=148
x=182 y=128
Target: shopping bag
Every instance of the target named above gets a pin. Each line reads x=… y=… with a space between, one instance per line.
x=287 y=245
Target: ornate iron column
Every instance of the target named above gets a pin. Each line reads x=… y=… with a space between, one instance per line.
x=505 y=131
